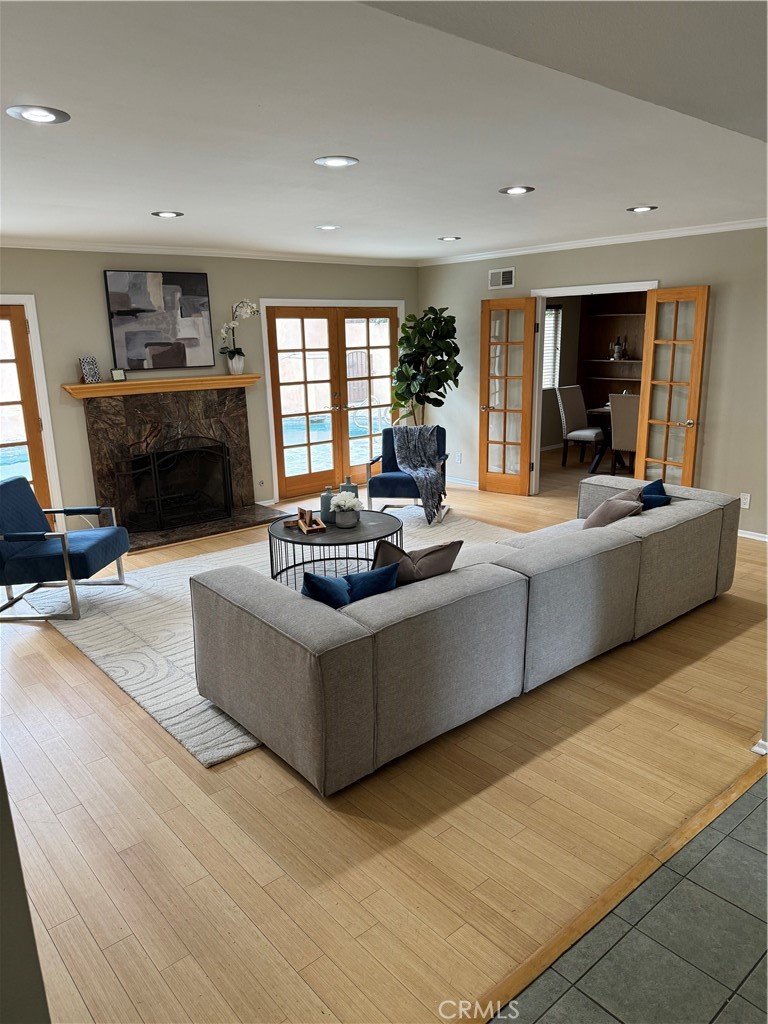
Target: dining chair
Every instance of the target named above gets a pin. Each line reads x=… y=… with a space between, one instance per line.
x=625 y=410
x=573 y=414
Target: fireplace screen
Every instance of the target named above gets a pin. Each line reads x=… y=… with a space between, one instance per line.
x=186 y=482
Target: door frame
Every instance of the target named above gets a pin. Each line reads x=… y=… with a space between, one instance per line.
x=398 y=304
x=41 y=392
x=541 y=295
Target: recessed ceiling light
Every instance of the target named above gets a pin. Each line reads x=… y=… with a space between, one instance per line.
x=167 y=214
x=449 y=238
x=641 y=209
x=336 y=161
x=516 y=190
x=327 y=227
x=38 y=115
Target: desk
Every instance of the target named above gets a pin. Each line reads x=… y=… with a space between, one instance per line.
x=603 y=413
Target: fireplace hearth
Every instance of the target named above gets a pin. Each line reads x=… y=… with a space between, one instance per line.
x=176 y=484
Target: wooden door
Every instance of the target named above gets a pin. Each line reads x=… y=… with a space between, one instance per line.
x=507 y=342
x=670 y=393
x=21 y=429
x=331 y=371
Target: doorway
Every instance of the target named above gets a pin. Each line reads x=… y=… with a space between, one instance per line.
x=331 y=376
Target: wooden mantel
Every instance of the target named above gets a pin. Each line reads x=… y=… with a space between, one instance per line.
x=107 y=388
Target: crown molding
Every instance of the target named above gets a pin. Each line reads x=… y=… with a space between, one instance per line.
x=588 y=243
x=59 y=245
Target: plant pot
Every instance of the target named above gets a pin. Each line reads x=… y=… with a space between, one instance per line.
x=347 y=518
x=236 y=365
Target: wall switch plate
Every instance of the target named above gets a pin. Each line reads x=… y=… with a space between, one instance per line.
x=745 y=499
x=457 y=458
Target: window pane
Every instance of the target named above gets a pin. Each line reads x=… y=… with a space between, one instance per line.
x=665 y=321
x=678 y=410
x=495 y=426
x=380 y=418
x=514 y=426
x=499 y=326
x=516 y=325
x=322 y=457
x=659 y=395
x=296 y=461
x=292 y=398
x=358 y=392
x=319 y=397
x=320 y=428
x=380 y=362
x=357 y=363
x=318 y=366
x=355 y=333
x=359 y=422
x=682 y=370
x=653 y=471
x=359 y=450
x=656 y=435
x=9 y=383
x=662 y=362
x=676 y=444
x=496 y=393
x=294 y=430
x=496 y=364
x=511 y=459
x=316 y=333
x=15 y=462
x=6 y=340
x=288 y=333
x=495 y=457
x=290 y=366
x=381 y=391
x=685 y=317
x=514 y=394
x=515 y=361
x=378 y=331
x=11 y=424
x=673 y=474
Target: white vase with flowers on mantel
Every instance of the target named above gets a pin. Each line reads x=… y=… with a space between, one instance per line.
x=242 y=310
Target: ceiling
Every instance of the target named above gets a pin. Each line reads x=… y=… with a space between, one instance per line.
x=218 y=109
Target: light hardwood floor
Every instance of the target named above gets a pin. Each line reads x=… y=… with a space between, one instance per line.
x=162 y=891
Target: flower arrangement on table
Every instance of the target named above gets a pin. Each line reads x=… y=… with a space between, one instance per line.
x=347 y=507
x=243 y=310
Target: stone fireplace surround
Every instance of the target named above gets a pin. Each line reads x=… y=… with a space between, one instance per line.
x=120 y=424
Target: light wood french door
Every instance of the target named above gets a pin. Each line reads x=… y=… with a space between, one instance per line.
x=21 y=437
x=507 y=342
x=331 y=372
x=670 y=393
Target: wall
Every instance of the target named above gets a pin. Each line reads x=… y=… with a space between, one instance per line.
x=71 y=308
x=551 y=424
x=731 y=454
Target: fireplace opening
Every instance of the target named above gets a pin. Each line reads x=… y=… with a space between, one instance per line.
x=186 y=481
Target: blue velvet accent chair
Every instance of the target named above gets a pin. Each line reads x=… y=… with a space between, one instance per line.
x=32 y=553
x=392 y=482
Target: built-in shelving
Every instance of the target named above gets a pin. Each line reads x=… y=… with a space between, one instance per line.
x=604 y=318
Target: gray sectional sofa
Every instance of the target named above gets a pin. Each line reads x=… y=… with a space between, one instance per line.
x=338 y=693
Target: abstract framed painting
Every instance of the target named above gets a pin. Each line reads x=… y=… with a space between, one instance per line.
x=159 y=319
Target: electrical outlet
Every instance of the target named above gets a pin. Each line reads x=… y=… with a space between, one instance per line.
x=457 y=458
x=745 y=499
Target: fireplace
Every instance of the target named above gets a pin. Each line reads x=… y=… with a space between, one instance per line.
x=177 y=483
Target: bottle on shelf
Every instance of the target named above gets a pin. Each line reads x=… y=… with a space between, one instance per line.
x=617 y=349
x=625 y=350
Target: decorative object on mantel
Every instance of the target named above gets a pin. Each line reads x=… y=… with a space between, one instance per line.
x=347 y=508
x=90 y=370
x=242 y=310
x=159 y=384
x=118 y=376
x=159 y=319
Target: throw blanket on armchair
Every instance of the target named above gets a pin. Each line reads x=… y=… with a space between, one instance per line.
x=416 y=453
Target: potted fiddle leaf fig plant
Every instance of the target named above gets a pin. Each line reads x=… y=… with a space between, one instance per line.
x=427 y=364
x=229 y=347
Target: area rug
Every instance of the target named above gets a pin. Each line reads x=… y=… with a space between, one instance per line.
x=140 y=635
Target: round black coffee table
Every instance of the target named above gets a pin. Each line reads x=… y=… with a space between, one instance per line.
x=335 y=552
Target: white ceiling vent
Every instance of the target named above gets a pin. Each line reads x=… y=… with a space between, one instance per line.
x=501 y=278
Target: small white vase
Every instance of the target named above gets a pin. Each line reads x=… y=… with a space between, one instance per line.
x=236 y=365
x=346 y=518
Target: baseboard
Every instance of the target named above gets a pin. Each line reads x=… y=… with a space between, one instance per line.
x=754 y=536
x=459 y=480
x=551 y=447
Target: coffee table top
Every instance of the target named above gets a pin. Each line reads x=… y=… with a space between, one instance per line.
x=372 y=526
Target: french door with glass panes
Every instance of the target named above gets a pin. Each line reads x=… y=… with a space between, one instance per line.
x=507 y=341
x=331 y=372
x=670 y=393
x=21 y=438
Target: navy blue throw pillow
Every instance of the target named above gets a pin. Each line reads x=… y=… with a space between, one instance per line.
x=331 y=590
x=376 y=581
x=653 y=495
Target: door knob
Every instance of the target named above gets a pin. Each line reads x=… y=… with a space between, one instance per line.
x=688 y=423
x=485 y=408
x=335 y=408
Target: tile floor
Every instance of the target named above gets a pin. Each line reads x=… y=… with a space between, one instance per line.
x=688 y=946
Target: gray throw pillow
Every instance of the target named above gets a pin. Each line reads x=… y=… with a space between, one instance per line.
x=611 y=511
x=632 y=494
x=417 y=565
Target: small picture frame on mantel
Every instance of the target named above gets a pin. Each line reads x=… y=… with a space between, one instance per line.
x=89 y=369
x=118 y=376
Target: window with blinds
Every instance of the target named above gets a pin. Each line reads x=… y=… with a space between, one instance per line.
x=553 y=326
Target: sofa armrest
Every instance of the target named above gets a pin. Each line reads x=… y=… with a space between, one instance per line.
x=292 y=671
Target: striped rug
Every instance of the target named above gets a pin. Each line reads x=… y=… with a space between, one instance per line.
x=141 y=634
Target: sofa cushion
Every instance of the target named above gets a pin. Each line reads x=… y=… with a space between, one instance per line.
x=525 y=540
x=330 y=590
x=417 y=565
x=481 y=554
x=338 y=591
x=611 y=511
x=89 y=551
